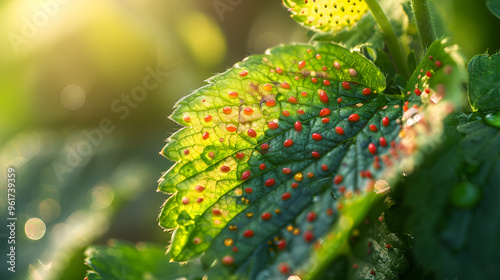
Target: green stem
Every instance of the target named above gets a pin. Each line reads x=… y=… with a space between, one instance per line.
x=395 y=48
x=424 y=23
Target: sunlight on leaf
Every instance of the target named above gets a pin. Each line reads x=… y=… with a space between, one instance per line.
x=327 y=15
x=267 y=145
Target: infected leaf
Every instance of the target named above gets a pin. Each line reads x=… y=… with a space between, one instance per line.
x=266 y=146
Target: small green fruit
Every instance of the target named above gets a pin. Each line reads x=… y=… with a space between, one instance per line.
x=493 y=120
x=465 y=195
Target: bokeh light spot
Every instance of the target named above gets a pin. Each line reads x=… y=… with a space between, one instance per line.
x=49 y=210
x=204 y=38
x=72 y=97
x=35 y=228
x=102 y=196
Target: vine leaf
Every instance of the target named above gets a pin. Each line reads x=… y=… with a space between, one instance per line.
x=266 y=146
x=327 y=15
x=484 y=82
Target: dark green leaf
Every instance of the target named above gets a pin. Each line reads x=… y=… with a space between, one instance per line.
x=412 y=61
x=370 y=249
x=376 y=248
x=395 y=83
x=494 y=6
x=124 y=261
x=437 y=76
x=484 y=82
x=453 y=201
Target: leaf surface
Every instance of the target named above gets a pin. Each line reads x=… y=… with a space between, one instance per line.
x=123 y=260
x=327 y=15
x=436 y=76
x=366 y=32
x=370 y=250
x=451 y=213
x=484 y=82
x=277 y=139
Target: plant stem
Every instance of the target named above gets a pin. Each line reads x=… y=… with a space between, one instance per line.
x=395 y=48
x=424 y=23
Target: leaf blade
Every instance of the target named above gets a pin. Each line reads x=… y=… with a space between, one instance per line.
x=286 y=57
x=122 y=260
x=285 y=156
x=326 y=16
x=484 y=82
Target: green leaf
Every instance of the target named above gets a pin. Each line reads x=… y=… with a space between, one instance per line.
x=494 y=7
x=453 y=226
x=437 y=76
x=237 y=193
x=327 y=15
x=124 y=261
x=290 y=251
x=366 y=32
x=370 y=249
x=412 y=60
x=377 y=250
x=484 y=82
x=336 y=241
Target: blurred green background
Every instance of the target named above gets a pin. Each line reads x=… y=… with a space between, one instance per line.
x=85 y=91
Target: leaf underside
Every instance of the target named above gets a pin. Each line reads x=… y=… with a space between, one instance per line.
x=267 y=145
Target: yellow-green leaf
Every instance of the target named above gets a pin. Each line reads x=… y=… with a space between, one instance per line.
x=326 y=15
